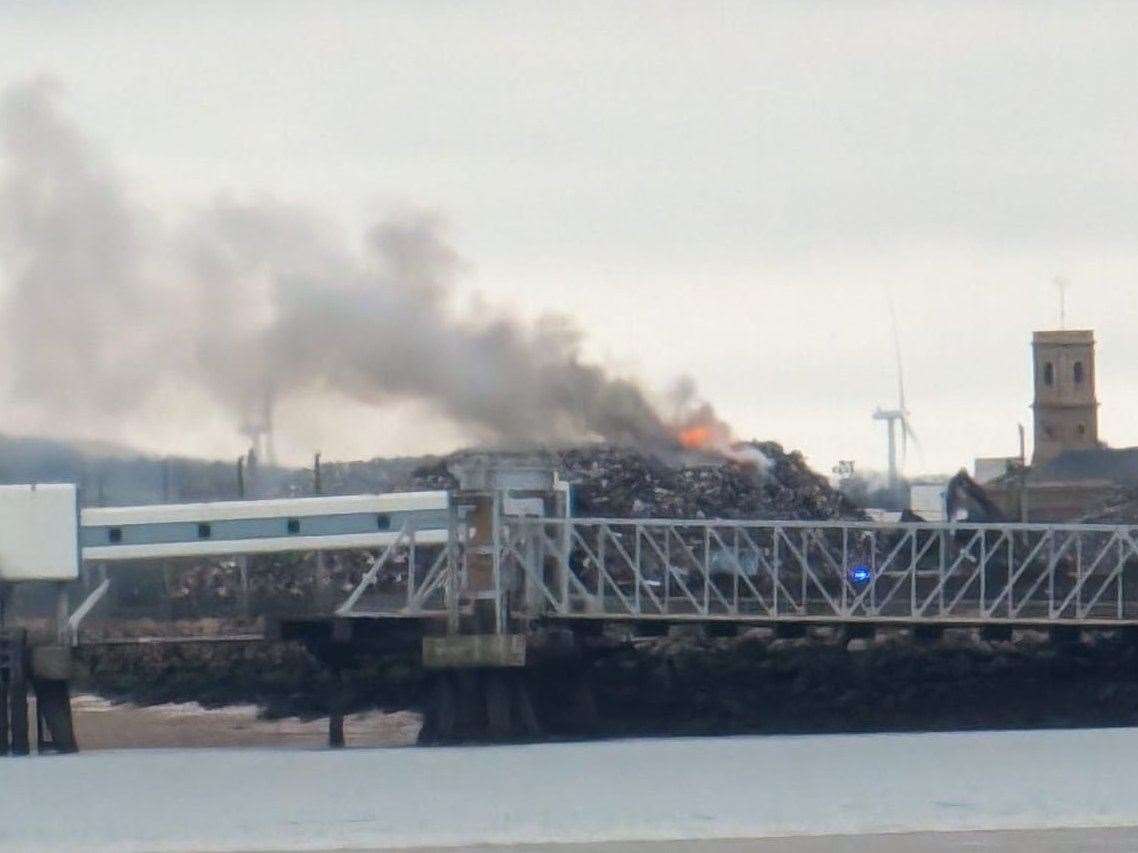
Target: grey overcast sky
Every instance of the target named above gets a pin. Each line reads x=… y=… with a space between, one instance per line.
x=723 y=190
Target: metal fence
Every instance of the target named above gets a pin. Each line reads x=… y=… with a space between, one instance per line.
x=743 y=571
x=847 y=571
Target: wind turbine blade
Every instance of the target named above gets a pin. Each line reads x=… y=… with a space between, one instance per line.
x=908 y=430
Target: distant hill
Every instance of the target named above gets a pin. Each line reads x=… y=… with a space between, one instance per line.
x=110 y=474
x=113 y=475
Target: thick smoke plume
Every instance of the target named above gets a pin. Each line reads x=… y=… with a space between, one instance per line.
x=103 y=304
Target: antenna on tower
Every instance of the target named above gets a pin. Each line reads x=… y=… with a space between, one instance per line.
x=1062 y=283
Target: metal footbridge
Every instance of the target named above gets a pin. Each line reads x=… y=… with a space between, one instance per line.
x=440 y=556
x=696 y=570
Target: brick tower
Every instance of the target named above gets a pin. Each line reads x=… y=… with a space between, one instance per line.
x=1066 y=411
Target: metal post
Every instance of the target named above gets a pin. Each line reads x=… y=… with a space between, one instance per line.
x=942 y=569
x=563 y=539
x=983 y=569
x=1078 y=574
x=602 y=568
x=453 y=519
x=599 y=586
x=913 y=575
x=410 y=567
x=1120 y=576
x=735 y=574
x=1011 y=573
x=775 y=559
x=873 y=571
x=532 y=571
x=805 y=544
x=706 y=570
x=638 y=574
x=62 y=615
x=496 y=564
x=1050 y=575
x=845 y=570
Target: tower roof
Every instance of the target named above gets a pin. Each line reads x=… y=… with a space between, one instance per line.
x=1064 y=336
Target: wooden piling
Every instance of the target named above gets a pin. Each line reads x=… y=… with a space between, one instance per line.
x=54 y=725
x=14 y=693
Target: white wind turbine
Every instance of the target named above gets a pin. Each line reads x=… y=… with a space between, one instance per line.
x=897 y=417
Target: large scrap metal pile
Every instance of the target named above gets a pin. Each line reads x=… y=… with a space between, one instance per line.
x=759 y=480
x=768 y=483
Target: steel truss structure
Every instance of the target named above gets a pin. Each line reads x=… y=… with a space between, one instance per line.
x=411 y=577
x=777 y=571
x=830 y=571
x=704 y=570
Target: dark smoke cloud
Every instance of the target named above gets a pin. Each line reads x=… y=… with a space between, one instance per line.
x=103 y=302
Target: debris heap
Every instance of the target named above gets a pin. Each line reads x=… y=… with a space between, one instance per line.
x=768 y=482
x=761 y=480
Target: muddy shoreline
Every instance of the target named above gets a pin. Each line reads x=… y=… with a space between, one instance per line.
x=101 y=724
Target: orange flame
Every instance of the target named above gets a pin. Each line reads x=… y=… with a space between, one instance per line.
x=695 y=437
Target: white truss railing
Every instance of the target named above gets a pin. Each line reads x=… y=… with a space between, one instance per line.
x=753 y=571
x=807 y=571
x=414 y=591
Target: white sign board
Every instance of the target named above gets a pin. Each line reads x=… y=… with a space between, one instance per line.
x=928 y=501
x=39 y=536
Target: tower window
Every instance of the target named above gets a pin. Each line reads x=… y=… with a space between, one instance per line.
x=1081 y=429
x=1049 y=431
x=1048 y=374
x=1078 y=372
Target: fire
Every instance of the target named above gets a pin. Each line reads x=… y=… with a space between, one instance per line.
x=700 y=429
x=695 y=437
